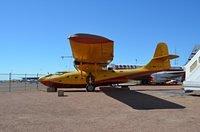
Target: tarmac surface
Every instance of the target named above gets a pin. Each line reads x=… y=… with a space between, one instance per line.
x=139 y=108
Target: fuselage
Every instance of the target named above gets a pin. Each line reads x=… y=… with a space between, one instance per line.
x=104 y=77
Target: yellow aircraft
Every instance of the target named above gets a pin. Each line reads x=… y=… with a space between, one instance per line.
x=91 y=55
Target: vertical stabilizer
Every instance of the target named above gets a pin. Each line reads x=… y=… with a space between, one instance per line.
x=161 y=59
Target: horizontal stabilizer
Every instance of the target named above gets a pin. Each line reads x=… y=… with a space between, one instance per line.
x=167 y=57
x=173 y=57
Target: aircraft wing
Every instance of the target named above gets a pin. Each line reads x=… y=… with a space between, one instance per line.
x=91 y=52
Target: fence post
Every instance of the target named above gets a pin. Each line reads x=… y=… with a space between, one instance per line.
x=10 y=81
x=25 y=82
x=37 y=81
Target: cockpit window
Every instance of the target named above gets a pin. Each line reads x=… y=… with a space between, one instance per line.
x=48 y=75
x=59 y=73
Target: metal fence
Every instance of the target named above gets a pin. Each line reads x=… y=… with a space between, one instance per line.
x=10 y=82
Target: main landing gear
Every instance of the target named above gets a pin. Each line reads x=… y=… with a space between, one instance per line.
x=90 y=81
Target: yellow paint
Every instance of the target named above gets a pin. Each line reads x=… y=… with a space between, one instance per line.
x=90 y=54
x=159 y=62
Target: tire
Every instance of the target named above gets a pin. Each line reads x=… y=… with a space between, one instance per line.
x=90 y=81
x=50 y=89
x=144 y=82
x=90 y=88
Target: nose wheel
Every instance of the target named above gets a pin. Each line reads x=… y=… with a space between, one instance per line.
x=90 y=81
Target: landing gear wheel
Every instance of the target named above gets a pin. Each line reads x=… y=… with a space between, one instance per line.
x=50 y=89
x=115 y=86
x=90 y=88
x=90 y=81
x=144 y=82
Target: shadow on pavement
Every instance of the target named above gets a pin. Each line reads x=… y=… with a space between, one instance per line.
x=139 y=101
x=194 y=95
x=171 y=89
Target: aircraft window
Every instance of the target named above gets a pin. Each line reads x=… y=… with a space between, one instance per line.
x=59 y=73
x=67 y=76
x=48 y=75
x=76 y=77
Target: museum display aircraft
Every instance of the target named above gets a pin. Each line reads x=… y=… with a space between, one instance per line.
x=92 y=54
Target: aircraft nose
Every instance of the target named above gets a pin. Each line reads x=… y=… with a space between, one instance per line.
x=44 y=80
x=41 y=79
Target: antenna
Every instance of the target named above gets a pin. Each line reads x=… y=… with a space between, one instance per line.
x=62 y=57
x=175 y=60
x=136 y=61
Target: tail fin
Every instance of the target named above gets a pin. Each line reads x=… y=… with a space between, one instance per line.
x=161 y=59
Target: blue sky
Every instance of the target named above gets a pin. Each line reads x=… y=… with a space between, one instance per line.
x=33 y=33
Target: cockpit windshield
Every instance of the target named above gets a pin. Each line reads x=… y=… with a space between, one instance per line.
x=61 y=73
